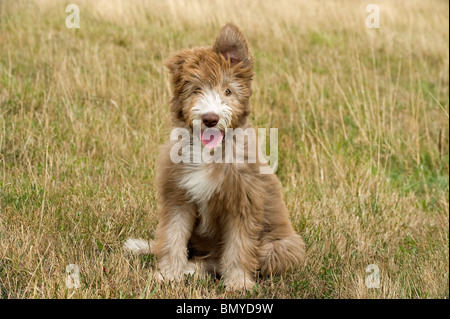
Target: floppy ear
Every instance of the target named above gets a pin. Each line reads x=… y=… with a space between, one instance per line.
x=175 y=64
x=232 y=44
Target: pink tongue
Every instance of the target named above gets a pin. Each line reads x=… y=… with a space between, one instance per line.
x=211 y=137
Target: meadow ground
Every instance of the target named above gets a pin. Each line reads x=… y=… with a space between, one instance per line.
x=362 y=118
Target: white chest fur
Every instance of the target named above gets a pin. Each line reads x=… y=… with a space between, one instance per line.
x=199 y=183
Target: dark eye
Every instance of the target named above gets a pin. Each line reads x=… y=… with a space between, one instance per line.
x=227 y=92
x=197 y=90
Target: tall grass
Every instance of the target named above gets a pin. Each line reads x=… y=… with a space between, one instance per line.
x=362 y=117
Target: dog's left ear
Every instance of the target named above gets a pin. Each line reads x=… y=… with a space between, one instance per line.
x=232 y=44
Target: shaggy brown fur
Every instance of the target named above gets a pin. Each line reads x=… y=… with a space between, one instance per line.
x=231 y=218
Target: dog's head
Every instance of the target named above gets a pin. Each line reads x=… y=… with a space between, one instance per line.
x=212 y=85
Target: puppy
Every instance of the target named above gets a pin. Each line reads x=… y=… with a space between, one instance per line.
x=218 y=217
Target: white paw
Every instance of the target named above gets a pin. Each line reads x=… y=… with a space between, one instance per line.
x=239 y=283
x=190 y=268
x=158 y=277
x=168 y=276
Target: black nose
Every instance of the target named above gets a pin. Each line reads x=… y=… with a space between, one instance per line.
x=210 y=119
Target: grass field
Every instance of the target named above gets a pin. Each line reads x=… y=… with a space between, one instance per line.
x=362 y=118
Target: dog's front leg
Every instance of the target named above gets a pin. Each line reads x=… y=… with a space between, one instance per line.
x=172 y=236
x=239 y=260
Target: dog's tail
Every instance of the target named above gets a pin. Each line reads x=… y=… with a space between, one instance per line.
x=138 y=246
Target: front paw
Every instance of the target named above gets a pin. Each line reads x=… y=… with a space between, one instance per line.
x=239 y=283
x=167 y=275
x=177 y=274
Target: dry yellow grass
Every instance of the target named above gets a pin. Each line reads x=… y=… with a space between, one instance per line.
x=363 y=130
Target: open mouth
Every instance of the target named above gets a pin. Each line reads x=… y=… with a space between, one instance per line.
x=211 y=137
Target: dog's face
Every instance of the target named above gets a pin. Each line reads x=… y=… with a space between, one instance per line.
x=213 y=85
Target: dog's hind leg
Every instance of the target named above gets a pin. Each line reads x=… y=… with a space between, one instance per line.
x=277 y=256
x=280 y=247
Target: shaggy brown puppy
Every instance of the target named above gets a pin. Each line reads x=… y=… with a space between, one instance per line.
x=230 y=217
